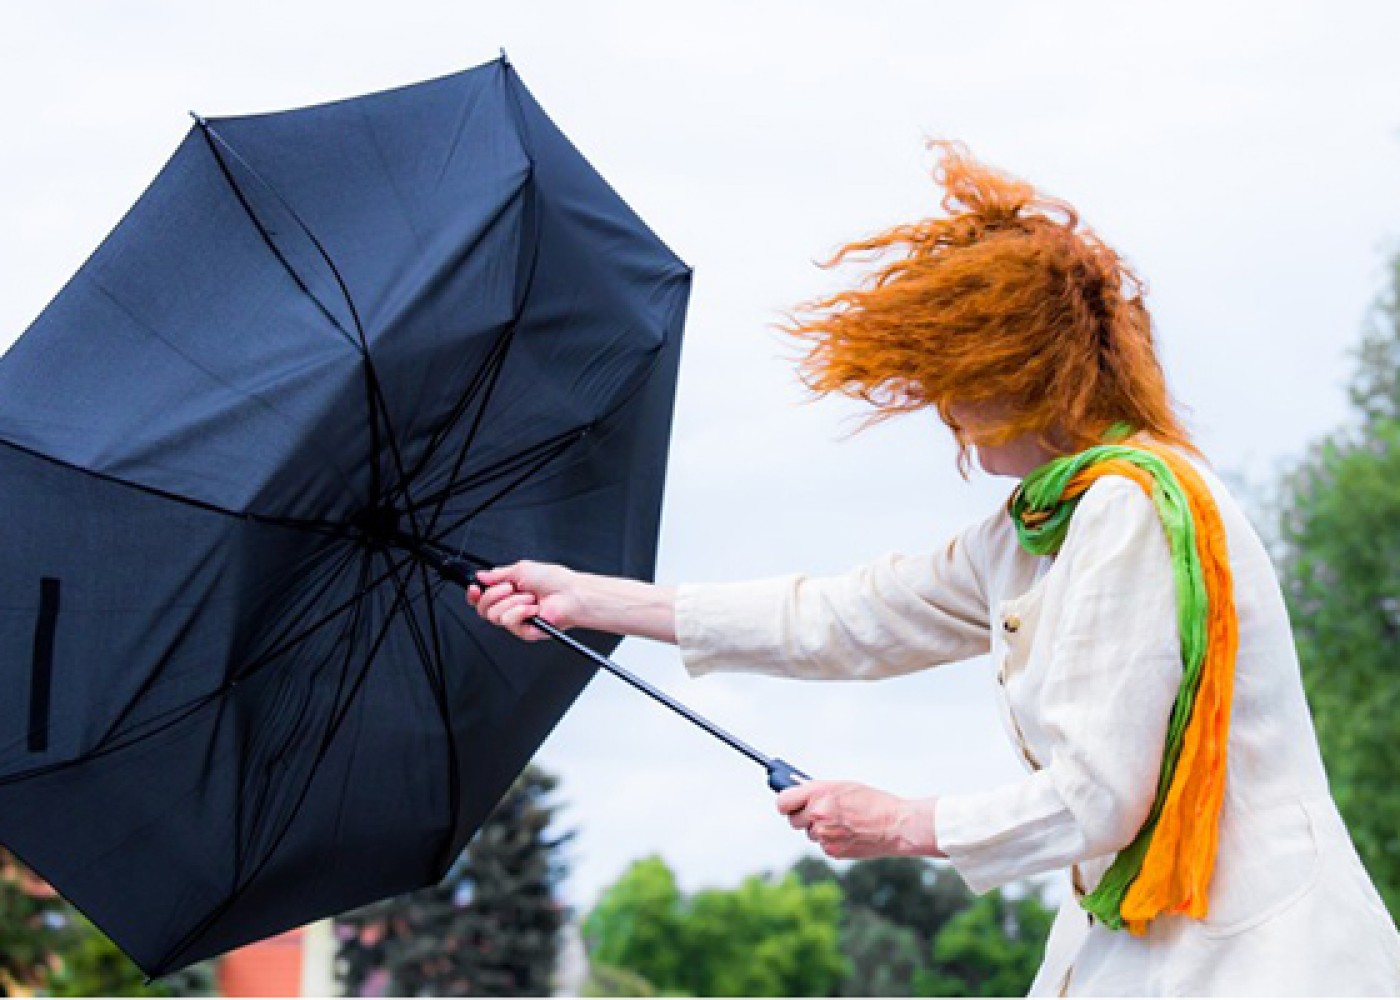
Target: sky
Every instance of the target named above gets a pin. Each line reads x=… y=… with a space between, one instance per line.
x=1242 y=156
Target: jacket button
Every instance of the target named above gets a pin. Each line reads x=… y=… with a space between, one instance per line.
x=1012 y=623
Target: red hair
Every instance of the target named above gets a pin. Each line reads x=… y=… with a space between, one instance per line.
x=1007 y=301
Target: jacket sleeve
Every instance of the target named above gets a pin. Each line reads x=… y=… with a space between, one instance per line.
x=1113 y=674
x=899 y=614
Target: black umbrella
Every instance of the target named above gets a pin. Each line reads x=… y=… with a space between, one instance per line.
x=329 y=358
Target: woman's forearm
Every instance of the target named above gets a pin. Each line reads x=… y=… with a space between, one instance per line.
x=626 y=607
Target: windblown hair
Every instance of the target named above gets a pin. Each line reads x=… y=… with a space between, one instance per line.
x=1008 y=301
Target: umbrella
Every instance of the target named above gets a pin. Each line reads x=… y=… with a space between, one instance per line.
x=332 y=358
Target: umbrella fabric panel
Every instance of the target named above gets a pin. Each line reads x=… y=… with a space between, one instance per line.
x=182 y=357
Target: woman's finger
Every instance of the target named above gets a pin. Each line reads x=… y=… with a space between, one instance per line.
x=491 y=596
x=496 y=574
x=790 y=800
x=503 y=608
x=517 y=613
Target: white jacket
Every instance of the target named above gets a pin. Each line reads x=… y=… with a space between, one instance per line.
x=1088 y=660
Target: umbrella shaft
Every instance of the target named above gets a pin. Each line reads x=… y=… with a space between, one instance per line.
x=450 y=567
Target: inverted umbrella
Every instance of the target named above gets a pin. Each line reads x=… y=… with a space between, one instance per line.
x=329 y=358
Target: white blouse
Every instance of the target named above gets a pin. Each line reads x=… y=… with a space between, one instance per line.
x=1088 y=662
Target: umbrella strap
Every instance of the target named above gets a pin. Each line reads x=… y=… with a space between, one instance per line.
x=41 y=667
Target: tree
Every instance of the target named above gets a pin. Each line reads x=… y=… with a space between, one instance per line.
x=765 y=938
x=887 y=959
x=892 y=910
x=491 y=928
x=636 y=924
x=910 y=892
x=1338 y=549
x=992 y=948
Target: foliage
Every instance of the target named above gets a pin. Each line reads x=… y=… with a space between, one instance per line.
x=911 y=892
x=30 y=926
x=636 y=925
x=992 y=948
x=887 y=959
x=893 y=909
x=1338 y=547
x=491 y=928
x=610 y=981
x=764 y=938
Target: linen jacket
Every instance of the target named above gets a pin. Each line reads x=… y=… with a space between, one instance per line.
x=1087 y=656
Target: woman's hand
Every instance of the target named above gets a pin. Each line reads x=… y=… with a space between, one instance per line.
x=851 y=820
x=509 y=595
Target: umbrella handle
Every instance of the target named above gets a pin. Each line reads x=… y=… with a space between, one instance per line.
x=782 y=775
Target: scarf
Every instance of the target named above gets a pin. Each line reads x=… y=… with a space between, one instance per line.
x=1167 y=867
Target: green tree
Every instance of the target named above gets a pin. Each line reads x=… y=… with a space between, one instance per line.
x=910 y=892
x=491 y=928
x=892 y=910
x=765 y=938
x=1338 y=549
x=992 y=948
x=886 y=958
x=636 y=924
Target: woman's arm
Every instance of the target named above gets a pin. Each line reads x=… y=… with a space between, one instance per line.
x=1113 y=679
x=896 y=615
x=567 y=598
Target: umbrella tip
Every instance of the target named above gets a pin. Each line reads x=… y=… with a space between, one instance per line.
x=505 y=59
x=198 y=119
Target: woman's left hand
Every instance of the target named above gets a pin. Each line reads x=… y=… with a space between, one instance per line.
x=851 y=820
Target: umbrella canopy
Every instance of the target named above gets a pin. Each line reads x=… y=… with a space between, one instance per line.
x=326 y=350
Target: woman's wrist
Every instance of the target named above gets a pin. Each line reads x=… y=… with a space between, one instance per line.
x=625 y=607
x=914 y=832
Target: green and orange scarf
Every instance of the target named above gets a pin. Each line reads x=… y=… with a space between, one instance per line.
x=1168 y=865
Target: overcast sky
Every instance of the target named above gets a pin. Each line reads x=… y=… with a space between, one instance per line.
x=1243 y=156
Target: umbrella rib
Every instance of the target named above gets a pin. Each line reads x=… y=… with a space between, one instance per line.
x=506 y=338
x=494 y=358
x=346 y=636
x=214 y=141
x=495 y=470
x=375 y=401
x=185 y=711
x=170 y=345
x=505 y=341
x=210 y=918
x=534 y=467
x=435 y=536
x=332 y=571
x=435 y=669
x=317 y=526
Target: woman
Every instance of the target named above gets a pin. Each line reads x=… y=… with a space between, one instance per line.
x=1140 y=638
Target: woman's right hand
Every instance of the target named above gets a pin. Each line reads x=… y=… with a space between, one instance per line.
x=510 y=595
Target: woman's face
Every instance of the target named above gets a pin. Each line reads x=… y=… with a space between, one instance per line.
x=1017 y=457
